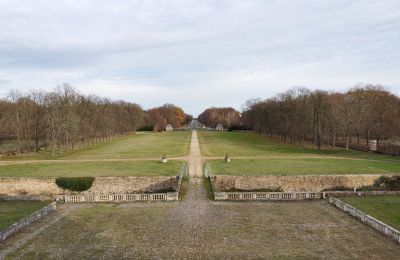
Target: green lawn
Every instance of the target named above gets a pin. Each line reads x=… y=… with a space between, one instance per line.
x=249 y=144
x=78 y=169
x=304 y=166
x=141 y=145
x=12 y=211
x=383 y=208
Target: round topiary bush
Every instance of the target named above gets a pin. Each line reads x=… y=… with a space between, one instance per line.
x=75 y=183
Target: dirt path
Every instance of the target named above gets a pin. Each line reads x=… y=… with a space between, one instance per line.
x=195 y=165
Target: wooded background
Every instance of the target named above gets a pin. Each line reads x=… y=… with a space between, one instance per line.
x=299 y=114
x=63 y=118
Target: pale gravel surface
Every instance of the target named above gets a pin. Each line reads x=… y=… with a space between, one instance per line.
x=195 y=162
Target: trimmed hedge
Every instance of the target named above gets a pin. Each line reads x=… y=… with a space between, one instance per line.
x=75 y=183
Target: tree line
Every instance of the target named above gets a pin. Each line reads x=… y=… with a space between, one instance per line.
x=227 y=116
x=62 y=118
x=352 y=117
x=159 y=117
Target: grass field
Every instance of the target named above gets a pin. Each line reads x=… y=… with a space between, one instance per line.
x=383 y=208
x=304 y=166
x=12 y=211
x=311 y=230
x=78 y=169
x=247 y=144
x=142 y=145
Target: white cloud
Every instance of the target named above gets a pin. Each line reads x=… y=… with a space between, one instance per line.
x=198 y=53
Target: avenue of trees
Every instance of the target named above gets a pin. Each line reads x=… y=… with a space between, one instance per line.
x=227 y=116
x=354 y=117
x=62 y=119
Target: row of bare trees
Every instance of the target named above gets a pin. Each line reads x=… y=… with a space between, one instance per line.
x=62 y=119
x=227 y=116
x=360 y=114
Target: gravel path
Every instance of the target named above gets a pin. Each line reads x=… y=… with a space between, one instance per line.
x=195 y=165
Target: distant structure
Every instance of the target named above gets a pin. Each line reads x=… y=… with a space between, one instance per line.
x=195 y=124
x=220 y=127
x=373 y=145
x=169 y=128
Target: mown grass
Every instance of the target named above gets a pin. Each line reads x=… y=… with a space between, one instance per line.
x=13 y=211
x=248 y=144
x=184 y=188
x=289 y=166
x=141 y=145
x=208 y=188
x=384 y=208
x=82 y=169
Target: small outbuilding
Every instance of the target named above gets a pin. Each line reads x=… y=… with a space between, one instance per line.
x=169 y=128
x=220 y=127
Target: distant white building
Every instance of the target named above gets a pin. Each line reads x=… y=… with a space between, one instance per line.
x=220 y=127
x=169 y=128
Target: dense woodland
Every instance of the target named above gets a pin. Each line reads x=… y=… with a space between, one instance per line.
x=226 y=116
x=357 y=116
x=62 y=119
x=158 y=118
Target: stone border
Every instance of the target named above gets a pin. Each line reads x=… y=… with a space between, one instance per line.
x=169 y=196
x=358 y=193
x=21 y=224
x=282 y=196
x=128 y=197
x=367 y=219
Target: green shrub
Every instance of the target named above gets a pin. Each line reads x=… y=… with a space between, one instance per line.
x=389 y=183
x=75 y=183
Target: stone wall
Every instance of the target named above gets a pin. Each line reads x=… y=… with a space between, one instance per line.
x=43 y=186
x=291 y=183
x=21 y=224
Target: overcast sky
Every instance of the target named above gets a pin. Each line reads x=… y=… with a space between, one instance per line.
x=201 y=53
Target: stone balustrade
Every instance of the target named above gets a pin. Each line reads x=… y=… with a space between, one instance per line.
x=367 y=219
x=21 y=224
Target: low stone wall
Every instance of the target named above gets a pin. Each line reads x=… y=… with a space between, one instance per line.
x=367 y=219
x=291 y=183
x=270 y=196
x=16 y=227
x=46 y=187
x=130 y=197
x=169 y=196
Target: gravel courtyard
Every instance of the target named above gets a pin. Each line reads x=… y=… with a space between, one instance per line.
x=198 y=228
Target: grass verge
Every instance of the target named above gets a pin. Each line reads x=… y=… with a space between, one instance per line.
x=208 y=188
x=13 y=211
x=384 y=208
x=91 y=169
x=216 y=143
x=141 y=145
x=303 y=166
x=184 y=188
